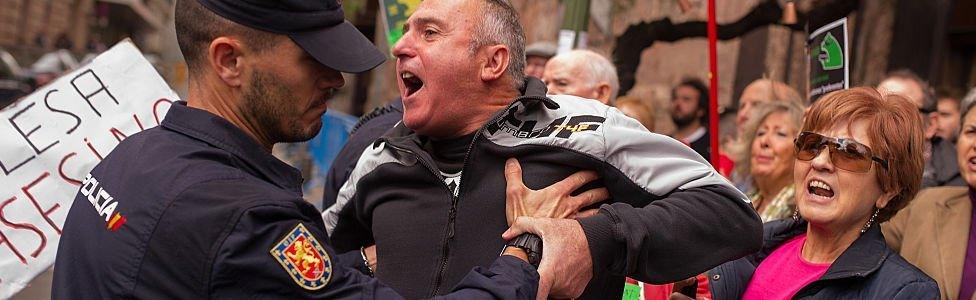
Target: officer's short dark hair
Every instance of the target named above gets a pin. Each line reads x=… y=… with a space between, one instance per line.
x=702 y=89
x=196 y=26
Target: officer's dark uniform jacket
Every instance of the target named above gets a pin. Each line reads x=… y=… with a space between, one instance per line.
x=672 y=215
x=196 y=209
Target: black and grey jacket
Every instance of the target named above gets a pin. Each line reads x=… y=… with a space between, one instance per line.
x=672 y=215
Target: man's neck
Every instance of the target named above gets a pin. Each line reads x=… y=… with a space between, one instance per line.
x=219 y=103
x=489 y=103
x=683 y=133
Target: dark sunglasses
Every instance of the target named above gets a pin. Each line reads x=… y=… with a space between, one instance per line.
x=846 y=154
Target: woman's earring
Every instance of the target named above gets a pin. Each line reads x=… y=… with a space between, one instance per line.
x=870 y=221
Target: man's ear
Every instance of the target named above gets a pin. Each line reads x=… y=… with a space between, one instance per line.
x=495 y=63
x=603 y=92
x=224 y=56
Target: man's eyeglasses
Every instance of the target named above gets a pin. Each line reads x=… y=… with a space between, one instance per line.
x=846 y=154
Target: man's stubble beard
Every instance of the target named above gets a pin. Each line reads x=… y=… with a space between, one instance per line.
x=683 y=121
x=271 y=105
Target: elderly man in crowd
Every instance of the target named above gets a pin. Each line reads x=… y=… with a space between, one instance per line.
x=940 y=154
x=762 y=90
x=436 y=193
x=582 y=73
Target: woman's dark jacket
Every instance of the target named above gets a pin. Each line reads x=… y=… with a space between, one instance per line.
x=868 y=269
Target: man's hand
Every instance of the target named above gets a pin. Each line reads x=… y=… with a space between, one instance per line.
x=566 y=265
x=370 y=253
x=554 y=201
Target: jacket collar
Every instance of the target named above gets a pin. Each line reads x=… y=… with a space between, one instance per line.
x=533 y=94
x=953 y=196
x=214 y=130
x=860 y=259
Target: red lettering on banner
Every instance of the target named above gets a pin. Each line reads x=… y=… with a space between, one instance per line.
x=67 y=179
x=156 y=108
x=117 y=133
x=10 y=245
x=44 y=213
x=24 y=226
x=136 y=118
x=93 y=149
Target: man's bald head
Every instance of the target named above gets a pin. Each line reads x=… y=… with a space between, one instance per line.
x=908 y=84
x=763 y=90
x=582 y=73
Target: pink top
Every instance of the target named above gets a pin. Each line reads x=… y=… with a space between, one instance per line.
x=784 y=272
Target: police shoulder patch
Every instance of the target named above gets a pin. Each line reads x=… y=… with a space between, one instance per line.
x=303 y=258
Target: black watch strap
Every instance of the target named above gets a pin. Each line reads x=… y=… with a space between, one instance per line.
x=531 y=244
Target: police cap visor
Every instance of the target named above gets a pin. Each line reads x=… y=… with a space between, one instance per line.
x=318 y=26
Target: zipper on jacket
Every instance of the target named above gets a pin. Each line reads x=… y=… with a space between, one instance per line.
x=445 y=250
x=453 y=215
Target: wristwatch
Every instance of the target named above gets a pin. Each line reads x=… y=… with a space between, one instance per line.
x=531 y=244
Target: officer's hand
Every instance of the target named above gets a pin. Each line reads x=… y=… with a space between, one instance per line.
x=554 y=201
x=566 y=265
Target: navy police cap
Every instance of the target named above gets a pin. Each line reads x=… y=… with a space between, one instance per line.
x=318 y=26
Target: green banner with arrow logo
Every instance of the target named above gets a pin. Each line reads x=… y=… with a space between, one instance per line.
x=829 y=59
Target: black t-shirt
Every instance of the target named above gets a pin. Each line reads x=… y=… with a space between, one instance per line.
x=449 y=155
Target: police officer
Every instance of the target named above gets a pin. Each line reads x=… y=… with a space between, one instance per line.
x=199 y=208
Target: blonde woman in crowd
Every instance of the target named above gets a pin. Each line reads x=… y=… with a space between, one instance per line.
x=759 y=91
x=766 y=153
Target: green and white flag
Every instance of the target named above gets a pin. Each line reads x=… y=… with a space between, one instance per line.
x=395 y=14
x=829 y=59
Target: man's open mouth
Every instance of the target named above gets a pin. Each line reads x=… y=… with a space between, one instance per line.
x=411 y=82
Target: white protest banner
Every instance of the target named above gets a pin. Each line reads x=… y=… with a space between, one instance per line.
x=50 y=139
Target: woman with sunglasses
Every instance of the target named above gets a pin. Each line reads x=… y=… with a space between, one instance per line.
x=858 y=161
x=937 y=231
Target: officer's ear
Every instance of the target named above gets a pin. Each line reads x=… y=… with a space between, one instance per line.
x=224 y=55
x=495 y=62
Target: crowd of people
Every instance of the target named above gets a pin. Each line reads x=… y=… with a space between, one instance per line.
x=509 y=171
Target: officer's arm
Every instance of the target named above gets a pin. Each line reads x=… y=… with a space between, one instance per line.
x=677 y=217
x=274 y=250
